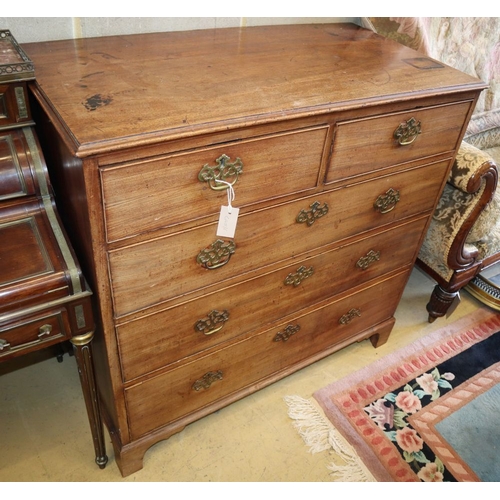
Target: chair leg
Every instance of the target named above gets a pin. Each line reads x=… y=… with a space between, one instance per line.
x=439 y=302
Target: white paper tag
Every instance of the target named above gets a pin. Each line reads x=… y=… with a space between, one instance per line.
x=227 y=221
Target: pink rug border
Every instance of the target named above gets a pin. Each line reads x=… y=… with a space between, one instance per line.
x=342 y=401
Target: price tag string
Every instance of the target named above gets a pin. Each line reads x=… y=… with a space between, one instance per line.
x=230 y=194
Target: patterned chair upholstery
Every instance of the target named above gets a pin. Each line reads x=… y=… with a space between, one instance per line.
x=464 y=234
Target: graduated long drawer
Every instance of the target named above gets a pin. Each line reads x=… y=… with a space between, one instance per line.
x=154 y=341
x=161 y=269
x=191 y=386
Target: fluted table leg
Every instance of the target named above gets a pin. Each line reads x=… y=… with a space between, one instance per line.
x=82 y=346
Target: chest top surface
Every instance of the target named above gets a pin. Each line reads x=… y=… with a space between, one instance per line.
x=166 y=85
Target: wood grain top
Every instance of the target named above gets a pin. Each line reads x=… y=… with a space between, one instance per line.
x=109 y=92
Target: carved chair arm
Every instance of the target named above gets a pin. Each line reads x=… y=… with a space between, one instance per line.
x=471 y=165
x=476 y=173
x=450 y=243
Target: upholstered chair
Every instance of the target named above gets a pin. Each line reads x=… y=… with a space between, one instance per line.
x=464 y=235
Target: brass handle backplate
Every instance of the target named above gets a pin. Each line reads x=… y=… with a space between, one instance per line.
x=216 y=255
x=286 y=333
x=214 y=321
x=223 y=171
x=408 y=131
x=349 y=316
x=315 y=212
x=367 y=260
x=207 y=380
x=387 y=201
x=300 y=275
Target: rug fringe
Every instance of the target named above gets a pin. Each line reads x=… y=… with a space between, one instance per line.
x=320 y=435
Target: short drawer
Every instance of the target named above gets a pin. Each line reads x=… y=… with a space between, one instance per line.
x=200 y=324
x=158 y=270
x=192 y=386
x=33 y=332
x=366 y=145
x=162 y=192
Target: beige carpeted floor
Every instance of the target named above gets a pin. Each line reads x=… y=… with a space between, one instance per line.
x=45 y=434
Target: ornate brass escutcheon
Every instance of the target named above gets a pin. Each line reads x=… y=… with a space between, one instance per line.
x=367 y=260
x=386 y=202
x=214 y=321
x=349 y=316
x=408 y=131
x=224 y=171
x=311 y=216
x=286 y=333
x=296 y=278
x=217 y=254
x=207 y=380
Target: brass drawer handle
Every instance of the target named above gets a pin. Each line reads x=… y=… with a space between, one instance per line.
x=4 y=345
x=286 y=333
x=311 y=216
x=207 y=380
x=408 y=131
x=216 y=255
x=349 y=316
x=367 y=260
x=387 y=201
x=223 y=171
x=44 y=330
x=209 y=325
x=296 y=278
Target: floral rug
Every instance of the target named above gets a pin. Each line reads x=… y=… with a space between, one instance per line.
x=428 y=412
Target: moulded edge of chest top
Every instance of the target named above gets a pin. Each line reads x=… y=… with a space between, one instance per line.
x=209 y=134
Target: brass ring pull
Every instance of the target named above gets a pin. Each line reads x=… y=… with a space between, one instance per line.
x=296 y=278
x=209 y=325
x=387 y=201
x=408 y=131
x=367 y=260
x=286 y=333
x=216 y=255
x=207 y=380
x=224 y=171
x=349 y=316
x=311 y=216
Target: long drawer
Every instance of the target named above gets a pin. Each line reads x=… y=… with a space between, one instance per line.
x=193 y=385
x=424 y=132
x=184 y=186
x=200 y=324
x=158 y=270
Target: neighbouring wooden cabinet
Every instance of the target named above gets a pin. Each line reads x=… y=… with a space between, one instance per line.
x=333 y=143
x=45 y=299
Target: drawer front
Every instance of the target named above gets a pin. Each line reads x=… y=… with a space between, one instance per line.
x=366 y=145
x=34 y=332
x=156 y=271
x=15 y=172
x=200 y=324
x=166 y=191
x=14 y=107
x=183 y=390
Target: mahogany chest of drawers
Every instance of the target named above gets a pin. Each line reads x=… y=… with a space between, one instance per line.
x=333 y=143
